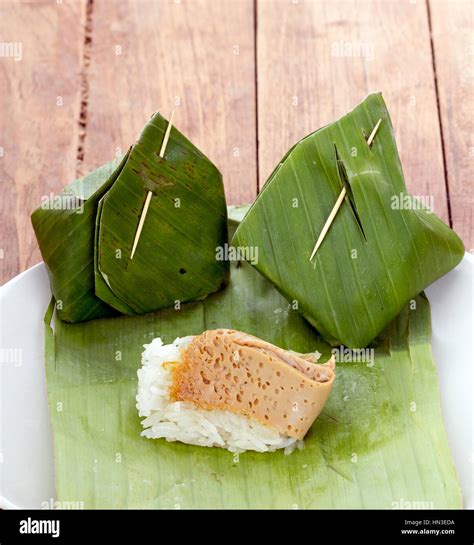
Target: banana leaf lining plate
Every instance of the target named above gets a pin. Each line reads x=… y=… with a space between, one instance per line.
x=27 y=478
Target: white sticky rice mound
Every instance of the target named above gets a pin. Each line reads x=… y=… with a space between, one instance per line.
x=183 y=421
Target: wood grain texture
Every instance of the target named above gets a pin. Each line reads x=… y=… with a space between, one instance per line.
x=453 y=43
x=194 y=55
x=148 y=54
x=316 y=60
x=39 y=101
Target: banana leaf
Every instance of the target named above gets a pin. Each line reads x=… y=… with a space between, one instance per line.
x=86 y=233
x=379 y=443
x=64 y=235
x=381 y=250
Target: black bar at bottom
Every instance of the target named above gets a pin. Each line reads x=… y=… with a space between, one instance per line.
x=229 y=527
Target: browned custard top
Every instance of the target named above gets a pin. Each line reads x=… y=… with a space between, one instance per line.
x=230 y=370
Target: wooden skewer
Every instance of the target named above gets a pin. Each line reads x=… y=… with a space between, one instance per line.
x=150 y=193
x=339 y=201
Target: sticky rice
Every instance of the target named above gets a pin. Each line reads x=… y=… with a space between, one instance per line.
x=177 y=407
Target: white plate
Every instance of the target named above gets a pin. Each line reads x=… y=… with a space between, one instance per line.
x=26 y=451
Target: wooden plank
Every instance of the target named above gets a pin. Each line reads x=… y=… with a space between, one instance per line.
x=317 y=59
x=39 y=101
x=451 y=25
x=194 y=55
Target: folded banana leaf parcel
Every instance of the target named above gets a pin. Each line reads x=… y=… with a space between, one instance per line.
x=233 y=398
x=382 y=247
x=86 y=235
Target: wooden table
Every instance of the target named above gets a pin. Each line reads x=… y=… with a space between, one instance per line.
x=248 y=78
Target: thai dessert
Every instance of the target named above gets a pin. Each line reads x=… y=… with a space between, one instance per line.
x=354 y=274
x=332 y=252
x=137 y=234
x=228 y=389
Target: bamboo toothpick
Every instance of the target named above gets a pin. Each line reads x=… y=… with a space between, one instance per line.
x=150 y=193
x=330 y=219
x=167 y=135
x=138 y=232
x=339 y=201
x=372 y=134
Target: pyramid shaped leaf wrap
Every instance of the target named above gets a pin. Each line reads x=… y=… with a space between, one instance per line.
x=86 y=233
x=382 y=248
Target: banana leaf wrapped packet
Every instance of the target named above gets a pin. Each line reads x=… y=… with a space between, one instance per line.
x=86 y=234
x=378 y=253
